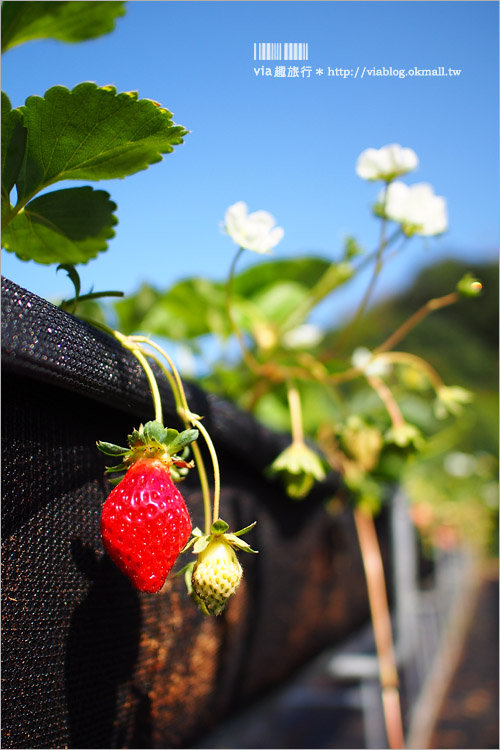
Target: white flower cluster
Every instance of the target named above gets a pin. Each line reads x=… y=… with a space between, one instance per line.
x=417 y=208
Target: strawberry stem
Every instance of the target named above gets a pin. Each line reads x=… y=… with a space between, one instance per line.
x=189 y=418
x=412 y=359
x=383 y=242
x=295 y=413
x=133 y=344
x=390 y=403
x=208 y=440
x=250 y=360
x=128 y=343
x=138 y=354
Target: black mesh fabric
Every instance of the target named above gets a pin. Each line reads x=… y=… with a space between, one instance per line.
x=87 y=661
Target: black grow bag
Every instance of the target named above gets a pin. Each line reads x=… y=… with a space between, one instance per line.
x=87 y=661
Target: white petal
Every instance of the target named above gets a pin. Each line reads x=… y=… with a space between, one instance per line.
x=386 y=163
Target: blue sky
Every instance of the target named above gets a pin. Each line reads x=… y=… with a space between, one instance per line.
x=287 y=145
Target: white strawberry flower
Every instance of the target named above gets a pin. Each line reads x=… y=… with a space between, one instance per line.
x=256 y=231
x=386 y=163
x=417 y=208
x=305 y=335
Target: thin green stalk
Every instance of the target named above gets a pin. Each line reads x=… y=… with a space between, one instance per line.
x=295 y=413
x=383 y=244
x=175 y=382
x=329 y=281
x=150 y=376
x=90 y=296
x=249 y=359
x=368 y=293
x=125 y=342
x=179 y=387
x=200 y=464
x=433 y=304
x=413 y=359
x=215 y=461
x=186 y=414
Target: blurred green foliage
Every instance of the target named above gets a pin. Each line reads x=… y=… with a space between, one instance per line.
x=459 y=341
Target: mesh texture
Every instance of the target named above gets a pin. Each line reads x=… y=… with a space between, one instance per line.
x=87 y=661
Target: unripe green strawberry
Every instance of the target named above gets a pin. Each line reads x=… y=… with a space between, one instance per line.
x=216 y=574
x=145 y=524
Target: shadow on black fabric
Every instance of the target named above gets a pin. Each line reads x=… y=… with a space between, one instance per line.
x=102 y=649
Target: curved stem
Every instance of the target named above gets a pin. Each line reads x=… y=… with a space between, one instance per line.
x=200 y=464
x=194 y=419
x=215 y=461
x=295 y=413
x=128 y=342
x=383 y=243
x=179 y=387
x=90 y=296
x=139 y=355
x=249 y=359
x=390 y=403
x=368 y=293
x=382 y=629
x=416 y=318
x=407 y=358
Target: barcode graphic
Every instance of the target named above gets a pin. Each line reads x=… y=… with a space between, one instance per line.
x=280 y=51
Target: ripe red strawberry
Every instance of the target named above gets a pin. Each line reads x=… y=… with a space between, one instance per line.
x=145 y=524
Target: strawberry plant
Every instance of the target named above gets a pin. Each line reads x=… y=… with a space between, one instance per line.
x=95 y=133
x=371 y=413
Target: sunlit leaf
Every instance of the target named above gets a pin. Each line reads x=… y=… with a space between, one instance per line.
x=191 y=308
x=13 y=145
x=278 y=299
x=69 y=21
x=306 y=271
x=65 y=226
x=91 y=133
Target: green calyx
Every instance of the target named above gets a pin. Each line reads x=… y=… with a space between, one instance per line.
x=219 y=529
x=299 y=467
x=153 y=440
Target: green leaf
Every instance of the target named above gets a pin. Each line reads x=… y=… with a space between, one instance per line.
x=244 y=530
x=189 y=309
x=306 y=271
x=133 y=309
x=187 y=546
x=219 y=527
x=239 y=543
x=201 y=544
x=137 y=438
x=117 y=468
x=183 y=438
x=156 y=431
x=66 y=226
x=113 y=481
x=278 y=300
x=13 y=145
x=92 y=133
x=196 y=307
x=66 y=21
x=110 y=449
